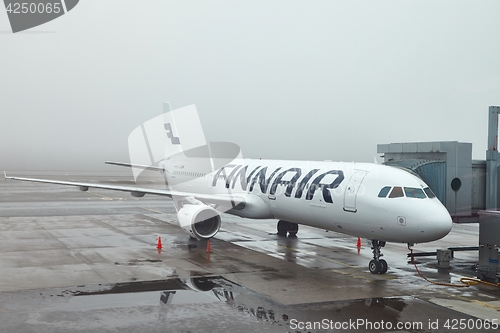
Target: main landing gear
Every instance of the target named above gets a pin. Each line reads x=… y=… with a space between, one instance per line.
x=377 y=265
x=285 y=227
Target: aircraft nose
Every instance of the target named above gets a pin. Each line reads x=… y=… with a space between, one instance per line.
x=437 y=221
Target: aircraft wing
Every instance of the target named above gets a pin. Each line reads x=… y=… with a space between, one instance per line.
x=237 y=202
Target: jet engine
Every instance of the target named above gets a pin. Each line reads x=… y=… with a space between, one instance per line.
x=199 y=221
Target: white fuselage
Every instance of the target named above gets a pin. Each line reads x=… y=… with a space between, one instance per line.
x=337 y=196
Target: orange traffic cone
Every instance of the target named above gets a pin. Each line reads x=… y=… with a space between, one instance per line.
x=358 y=244
x=159 y=247
x=208 y=247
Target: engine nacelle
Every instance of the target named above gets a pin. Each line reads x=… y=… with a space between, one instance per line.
x=199 y=221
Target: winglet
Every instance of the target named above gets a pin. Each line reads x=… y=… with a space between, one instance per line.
x=166 y=107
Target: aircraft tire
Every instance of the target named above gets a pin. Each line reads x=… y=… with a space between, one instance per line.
x=293 y=229
x=383 y=270
x=374 y=266
x=282 y=228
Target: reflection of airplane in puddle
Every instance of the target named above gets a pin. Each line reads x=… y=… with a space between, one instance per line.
x=377 y=202
x=209 y=290
x=201 y=290
x=172 y=295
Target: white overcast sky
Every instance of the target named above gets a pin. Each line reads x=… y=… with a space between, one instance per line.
x=309 y=80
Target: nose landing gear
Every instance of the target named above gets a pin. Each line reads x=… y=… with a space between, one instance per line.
x=377 y=265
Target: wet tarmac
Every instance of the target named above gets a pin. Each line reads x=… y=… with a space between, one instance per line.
x=87 y=261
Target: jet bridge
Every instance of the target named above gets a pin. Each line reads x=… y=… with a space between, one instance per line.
x=465 y=186
x=468 y=188
x=447 y=167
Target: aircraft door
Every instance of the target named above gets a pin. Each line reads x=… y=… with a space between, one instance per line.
x=352 y=189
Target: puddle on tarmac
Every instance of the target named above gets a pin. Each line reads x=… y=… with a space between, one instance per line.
x=208 y=303
x=174 y=291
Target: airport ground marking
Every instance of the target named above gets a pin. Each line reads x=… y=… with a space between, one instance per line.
x=103 y=197
x=312 y=254
x=497 y=308
x=153 y=210
x=465 y=299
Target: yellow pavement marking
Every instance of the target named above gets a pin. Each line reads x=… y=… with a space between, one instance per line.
x=465 y=299
x=102 y=196
x=153 y=210
x=486 y=304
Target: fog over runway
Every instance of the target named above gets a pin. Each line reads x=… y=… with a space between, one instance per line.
x=278 y=78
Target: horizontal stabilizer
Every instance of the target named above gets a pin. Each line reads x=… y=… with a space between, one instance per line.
x=138 y=166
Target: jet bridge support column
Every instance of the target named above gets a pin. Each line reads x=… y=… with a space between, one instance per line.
x=492 y=159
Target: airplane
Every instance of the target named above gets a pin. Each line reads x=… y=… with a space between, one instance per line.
x=378 y=202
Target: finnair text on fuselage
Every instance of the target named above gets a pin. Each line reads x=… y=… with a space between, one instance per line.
x=248 y=179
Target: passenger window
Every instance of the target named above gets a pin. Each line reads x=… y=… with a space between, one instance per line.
x=397 y=192
x=413 y=192
x=383 y=192
x=429 y=193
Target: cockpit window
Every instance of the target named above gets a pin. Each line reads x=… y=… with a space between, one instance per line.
x=413 y=192
x=397 y=192
x=429 y=193
x=383 y=192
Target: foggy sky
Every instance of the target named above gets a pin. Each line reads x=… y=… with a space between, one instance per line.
x=308 y=80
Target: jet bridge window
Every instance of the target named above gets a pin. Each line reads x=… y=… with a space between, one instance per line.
x=397 y=192
x=383 y=192
x=413 y=192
